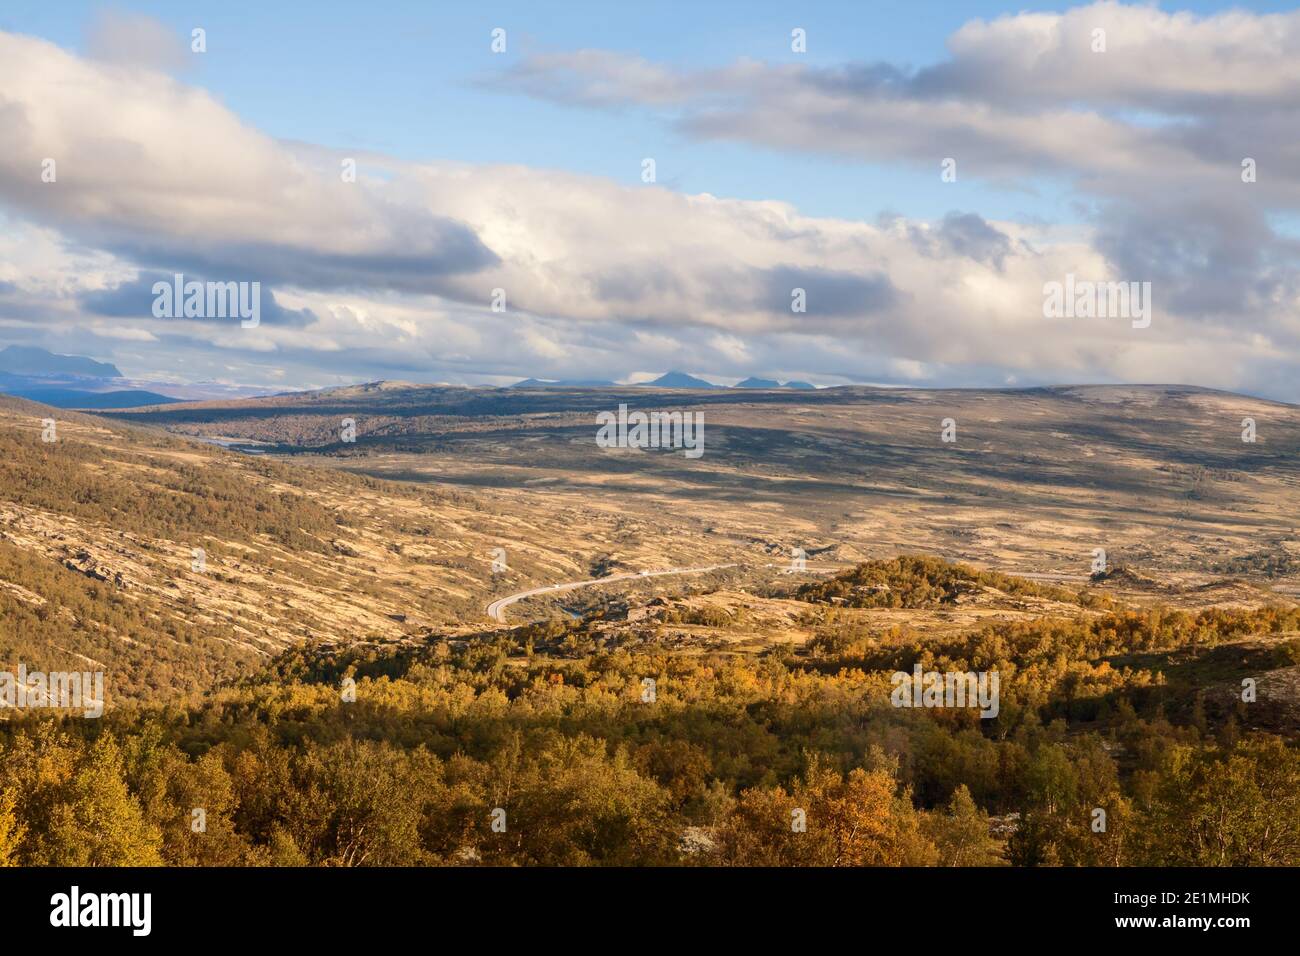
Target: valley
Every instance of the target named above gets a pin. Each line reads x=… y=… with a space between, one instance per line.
x=663 y=652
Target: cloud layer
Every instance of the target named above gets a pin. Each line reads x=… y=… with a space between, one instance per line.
x=394 y=272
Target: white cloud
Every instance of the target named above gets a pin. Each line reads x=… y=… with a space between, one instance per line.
x=135 y=40
x=395 y=272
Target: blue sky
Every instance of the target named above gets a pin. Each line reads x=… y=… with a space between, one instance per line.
x=522 y=171
x=399 y=78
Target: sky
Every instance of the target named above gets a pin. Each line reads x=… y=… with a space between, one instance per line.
x=518 y=178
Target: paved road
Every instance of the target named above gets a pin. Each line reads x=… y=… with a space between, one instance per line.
x=497 y=609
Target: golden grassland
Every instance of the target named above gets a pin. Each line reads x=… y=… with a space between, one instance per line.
x=327 y=689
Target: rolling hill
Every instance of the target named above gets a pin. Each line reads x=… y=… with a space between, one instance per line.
x=1036 y=480
x=327 y=682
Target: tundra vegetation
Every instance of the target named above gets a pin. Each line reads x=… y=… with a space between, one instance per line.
x=326 y=689
x=559 y=734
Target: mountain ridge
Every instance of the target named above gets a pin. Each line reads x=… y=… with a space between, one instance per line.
x=30 y=360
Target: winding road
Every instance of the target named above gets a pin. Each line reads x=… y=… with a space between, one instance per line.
x=497 y=609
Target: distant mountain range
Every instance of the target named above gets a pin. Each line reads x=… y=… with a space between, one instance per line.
x=74 y=381
x=26 y=360
x=79 y=398
x=770 y=383
x=561 y=383
x=679 y=380
x=673 y=379
x=68 y=381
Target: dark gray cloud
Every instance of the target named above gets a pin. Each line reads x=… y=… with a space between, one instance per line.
x=1204 y=259
x=426 y=252
x=606 y=280
x=135 y=299
x=630 y=283
x=964 y=234
x=829 y=294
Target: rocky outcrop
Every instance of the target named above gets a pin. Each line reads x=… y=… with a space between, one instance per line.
x=83 y=562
